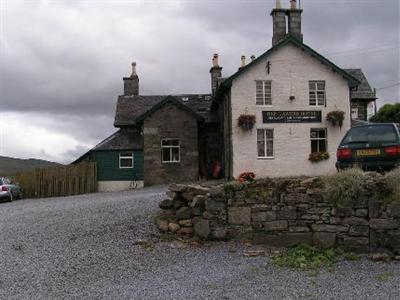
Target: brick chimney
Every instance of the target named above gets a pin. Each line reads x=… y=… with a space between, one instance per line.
x=216 y=72
x=279 y=23
x=294 y=22
x=131 y=84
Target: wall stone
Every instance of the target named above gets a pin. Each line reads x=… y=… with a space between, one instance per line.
x=281 y=212
x=170 y=122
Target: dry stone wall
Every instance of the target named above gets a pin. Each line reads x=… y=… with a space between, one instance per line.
x=280 y=212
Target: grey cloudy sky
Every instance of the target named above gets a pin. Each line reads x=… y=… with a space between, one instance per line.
x=62 y=62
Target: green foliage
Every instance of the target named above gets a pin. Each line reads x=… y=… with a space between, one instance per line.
x=318 y=156
x=351 y=256
x=392 y=185
x=304 y=257
x=389 y=113
x=385 y=277
x=336 y=117
x=345 y=188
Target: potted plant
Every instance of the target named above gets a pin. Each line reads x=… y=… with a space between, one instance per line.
x=246 y=122
x=318 y=156
x=336 y=117
x=246 y=177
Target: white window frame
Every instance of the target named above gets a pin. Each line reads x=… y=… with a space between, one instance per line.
x=170 y=153
x=315 y=91
x=266 y=140
x=122 y=156
x=319 y=139
x=264 y=98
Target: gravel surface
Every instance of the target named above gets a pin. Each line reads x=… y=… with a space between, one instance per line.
x=105 y=246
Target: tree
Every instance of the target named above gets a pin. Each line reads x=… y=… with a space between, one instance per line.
x=389 y=113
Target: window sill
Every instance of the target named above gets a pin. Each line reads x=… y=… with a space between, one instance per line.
x=171 y=162
x=266 y=158
x=126 y=167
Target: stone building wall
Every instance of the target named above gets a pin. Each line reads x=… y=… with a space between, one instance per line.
x=170 y=122
x=280 y=212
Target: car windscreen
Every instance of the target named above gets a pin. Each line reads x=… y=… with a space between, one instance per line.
x=374 y=133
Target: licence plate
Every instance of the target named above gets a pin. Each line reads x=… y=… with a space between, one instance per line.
x=368 y=152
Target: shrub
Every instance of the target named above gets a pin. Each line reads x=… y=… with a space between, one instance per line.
x=345 y=188
x=318 y=156
x=392 y=185
x=305 y=257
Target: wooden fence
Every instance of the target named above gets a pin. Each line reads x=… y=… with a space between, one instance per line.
x=58 y=181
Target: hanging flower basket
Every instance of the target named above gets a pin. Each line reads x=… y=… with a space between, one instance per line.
x=318 y=156
x=336 y=117
x=246 y=122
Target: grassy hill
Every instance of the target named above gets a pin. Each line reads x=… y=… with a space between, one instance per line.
x=9 y=165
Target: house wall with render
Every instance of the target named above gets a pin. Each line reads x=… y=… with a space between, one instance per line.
x=290 y=72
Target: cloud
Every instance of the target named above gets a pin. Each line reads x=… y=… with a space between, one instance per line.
x=63 y=61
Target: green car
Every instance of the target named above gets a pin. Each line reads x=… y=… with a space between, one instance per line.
x=374 y=147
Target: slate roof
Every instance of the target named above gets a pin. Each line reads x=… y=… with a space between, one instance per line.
x=123 y=139
x=364 y=90
x=130 y=108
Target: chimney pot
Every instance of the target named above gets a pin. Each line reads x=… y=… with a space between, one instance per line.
x=278 y=4
x=216 y=73
x=253 y=57
x=134 y=68
x=215 y=60
x=243 y=61
x=293 y=4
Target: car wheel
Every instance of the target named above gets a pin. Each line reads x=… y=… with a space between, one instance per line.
x=11 y=197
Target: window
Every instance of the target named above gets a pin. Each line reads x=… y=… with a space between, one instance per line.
x=265 y=143
x=317 y=93
x=263 y=92
x=170 y=150
x=318 y=140
x=126 y=160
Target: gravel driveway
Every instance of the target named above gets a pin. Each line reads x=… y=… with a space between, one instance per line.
x=105 y=246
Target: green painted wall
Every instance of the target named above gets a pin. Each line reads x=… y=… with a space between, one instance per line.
x=108 y=166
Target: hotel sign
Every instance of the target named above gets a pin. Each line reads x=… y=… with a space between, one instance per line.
x=298 y=116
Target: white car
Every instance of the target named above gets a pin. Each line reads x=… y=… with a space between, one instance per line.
x=8 y=190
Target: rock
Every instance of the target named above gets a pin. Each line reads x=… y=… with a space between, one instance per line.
x=162 y=225
x=208 y=215
x=178 y=202
x=259 y=216
x=197 y=211
x=219 y=233
x=172 y=195
x=184 y=213
x=380 y=257
x=270 y=216
x=324 y=239
x=282 y=240
x=329 y=228
x=335 y=220
x=355 y=241
x=397 y=257
x=276 y=225
x=185 y=223
x=342 y=212
x=299 y=229
x=355 y=221
x=166 y=204
x=217 y=192
x=310 y=217
x=198 y=201
x=286 y=214
x=214 y=205
x=202 y=229
x=374 y=209
x=173 y=227
x=361 y=212
x=394 y=210
x=177 y=188
x=384 y=224
x=185 y=230
x=239 y=215
x=196 y=219
x=193 y=190
x=254 y=253
x=359 y=231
